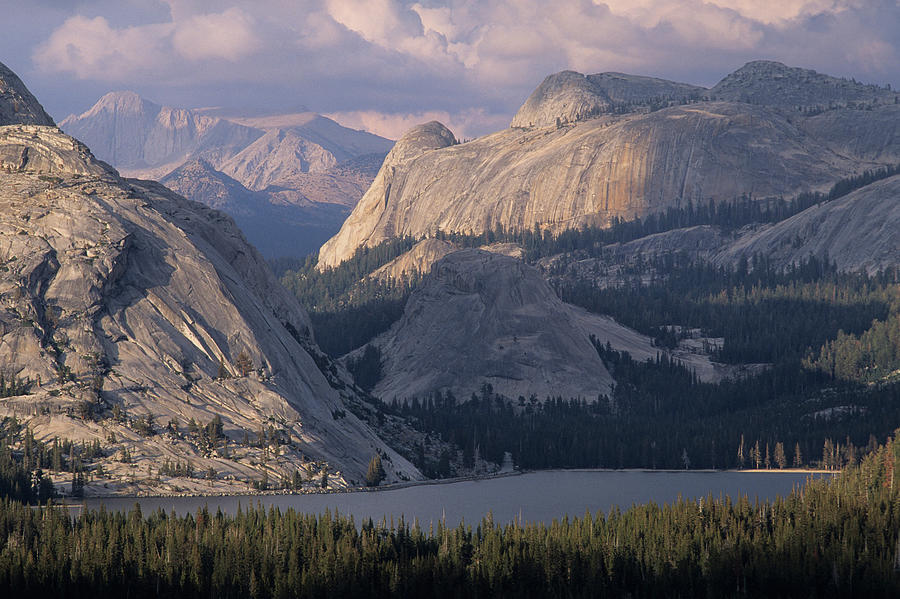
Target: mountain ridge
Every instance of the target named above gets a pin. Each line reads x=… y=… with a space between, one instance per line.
x=128 y=307
x=597 y=166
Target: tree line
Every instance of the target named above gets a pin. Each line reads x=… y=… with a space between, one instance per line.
x=830 y=538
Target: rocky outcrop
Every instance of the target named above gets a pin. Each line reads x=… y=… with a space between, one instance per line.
x=609 y=166
x=590 y=173
x=565 y=97
x=772 y=83
x=125 y=303
x=41 y=149
x=481 y=318
x=17 y=105
x=121 y=294
x=362 y=222
x=569 y=96
x=860 y=231
x=485 y=318
x=417 y=261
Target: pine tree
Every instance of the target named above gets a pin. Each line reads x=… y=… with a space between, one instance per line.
x=375 y=474
x=780 y=458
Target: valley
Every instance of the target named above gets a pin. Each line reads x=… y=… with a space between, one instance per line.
x=449 y=299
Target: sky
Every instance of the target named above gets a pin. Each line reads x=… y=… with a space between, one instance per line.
x=386 y=65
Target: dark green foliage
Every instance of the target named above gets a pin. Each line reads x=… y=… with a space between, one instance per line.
x=11 y=386
x=328 y=290
x=873 y=355
x=366 y=369
x=338 y=332
x=832 y=539
x=764 y=315
x=659 y=409
x=347 y=310
x=21 y=477
x=375 y=472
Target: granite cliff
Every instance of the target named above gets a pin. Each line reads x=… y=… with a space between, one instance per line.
x=131 y=311
x=585 y=150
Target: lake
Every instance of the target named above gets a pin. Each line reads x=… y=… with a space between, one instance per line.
x=532 y=497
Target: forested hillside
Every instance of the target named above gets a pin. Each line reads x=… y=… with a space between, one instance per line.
x=833 y=538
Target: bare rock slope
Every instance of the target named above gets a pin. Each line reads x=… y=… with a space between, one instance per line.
x=123 y=300
x=17 y=105
x=485 y=318
x=600 y=161
x=859 y=232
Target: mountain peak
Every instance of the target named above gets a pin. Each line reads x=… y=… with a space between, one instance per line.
x=17 y=105
x=568 y=96
x=772 y=83
x=124 y=101
x=420 y=139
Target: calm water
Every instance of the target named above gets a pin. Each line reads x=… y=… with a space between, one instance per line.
x=537 y=496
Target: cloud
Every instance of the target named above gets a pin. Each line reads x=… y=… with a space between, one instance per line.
x=391 y=61
x=91 y=48
x=228 y=35
x=465 y=124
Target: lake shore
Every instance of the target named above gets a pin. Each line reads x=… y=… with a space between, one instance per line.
x=430 y=482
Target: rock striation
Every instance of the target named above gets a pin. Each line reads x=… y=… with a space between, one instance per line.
x=596 y=165
x=123 y=300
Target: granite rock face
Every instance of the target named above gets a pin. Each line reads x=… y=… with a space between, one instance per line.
x=774 y=84
x=595 y=166
x=569 y=96
x=124 y=300
x=122 y=293
x=481 y=317
x=17 y=105
x=485 y=318
x=858 y=232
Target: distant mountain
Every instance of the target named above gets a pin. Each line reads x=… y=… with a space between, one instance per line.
x=304 y=160
x=279 y=221
x=134 y=317
x=587 y=150
x=770 y=83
